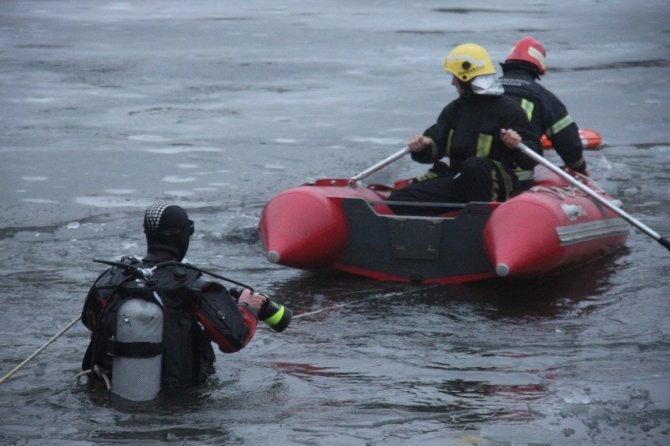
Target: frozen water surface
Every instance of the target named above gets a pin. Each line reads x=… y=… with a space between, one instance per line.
x=110 y=106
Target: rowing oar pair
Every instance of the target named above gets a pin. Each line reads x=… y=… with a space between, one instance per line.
x=355 y=180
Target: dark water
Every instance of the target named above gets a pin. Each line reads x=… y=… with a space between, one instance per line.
x=109 y=106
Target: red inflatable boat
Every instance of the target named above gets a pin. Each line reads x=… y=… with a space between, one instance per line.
x=339 y=225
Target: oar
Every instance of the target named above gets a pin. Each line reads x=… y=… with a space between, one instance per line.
x=36 y=352
x=379 y=166
x=623 y=214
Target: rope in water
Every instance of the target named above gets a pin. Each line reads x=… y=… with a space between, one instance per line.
x=309 y=313
x=333 y=307
x=39 y=350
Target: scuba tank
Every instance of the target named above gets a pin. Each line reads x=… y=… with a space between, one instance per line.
x=147 y=337
x=137 y=349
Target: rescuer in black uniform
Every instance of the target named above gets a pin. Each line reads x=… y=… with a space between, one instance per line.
x=478 y=132
x=547 y=114
x=196 y=311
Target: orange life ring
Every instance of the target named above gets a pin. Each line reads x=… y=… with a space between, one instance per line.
x=590 y=139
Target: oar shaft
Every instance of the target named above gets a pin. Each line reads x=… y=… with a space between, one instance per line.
x=380 y=165
x=623 y=214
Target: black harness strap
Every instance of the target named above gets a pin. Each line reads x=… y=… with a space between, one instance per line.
x=135 y=349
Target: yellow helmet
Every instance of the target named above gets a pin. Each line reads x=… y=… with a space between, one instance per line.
x=468 y=61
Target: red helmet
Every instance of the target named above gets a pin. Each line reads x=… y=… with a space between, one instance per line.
x=529 y=50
